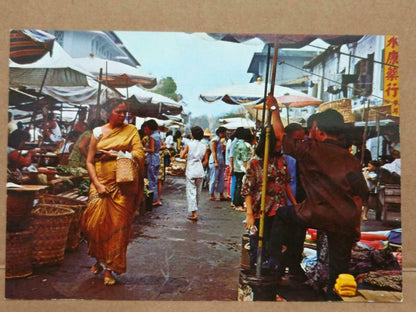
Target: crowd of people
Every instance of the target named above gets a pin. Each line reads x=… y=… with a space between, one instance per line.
x=313 y=181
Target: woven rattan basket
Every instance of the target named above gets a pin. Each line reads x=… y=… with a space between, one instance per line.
x=126 y=170
x=382 y=110
x=50 y=225
x=78 y=206
x=343 y=106
x=19 y=207
x=18 y=254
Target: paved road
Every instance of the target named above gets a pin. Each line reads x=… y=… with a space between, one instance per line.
x=169 y=258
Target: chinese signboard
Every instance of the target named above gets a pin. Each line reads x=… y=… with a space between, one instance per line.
x=391 y=74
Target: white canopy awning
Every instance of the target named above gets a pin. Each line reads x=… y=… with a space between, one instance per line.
x=56 y=69
x=234 y=123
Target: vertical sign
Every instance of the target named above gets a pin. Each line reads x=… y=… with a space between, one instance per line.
x=391 y=74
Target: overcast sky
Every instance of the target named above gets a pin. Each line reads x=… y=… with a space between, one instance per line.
x=196 y=65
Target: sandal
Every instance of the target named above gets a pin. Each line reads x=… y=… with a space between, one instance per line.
x=109 y=280
x=239 y=208
x=192 y=218
x=97 y=268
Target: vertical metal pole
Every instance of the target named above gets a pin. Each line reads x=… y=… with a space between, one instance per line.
x=378 y=134
x=263 y=202
x=265 y=165
x=266 y=83
x=366 y=111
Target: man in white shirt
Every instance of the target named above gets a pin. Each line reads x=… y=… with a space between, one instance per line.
x=395 y=167
x=169 y=139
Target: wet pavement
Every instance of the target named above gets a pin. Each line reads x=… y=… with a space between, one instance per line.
x=169 y=258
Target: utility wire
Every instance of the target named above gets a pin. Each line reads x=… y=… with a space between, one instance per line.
x=356 y=56
x=335 y=81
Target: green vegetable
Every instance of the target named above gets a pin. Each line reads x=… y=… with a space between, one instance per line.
x=84 y=187
x=64 y=170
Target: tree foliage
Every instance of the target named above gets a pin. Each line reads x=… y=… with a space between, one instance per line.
x=167 y=87
x=234 y=114
x=201 y=121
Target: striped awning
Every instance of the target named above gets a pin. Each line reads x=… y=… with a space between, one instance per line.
x=28 y=46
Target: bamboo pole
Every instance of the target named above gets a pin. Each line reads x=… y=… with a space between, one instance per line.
x=265 y=166
x=266 y=82
x=364 y=139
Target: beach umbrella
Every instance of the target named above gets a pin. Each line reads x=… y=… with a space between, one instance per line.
x=293 y=100
x=168 y=123
x=28 y=46
x=234 y=123
x=116 y=74
x=247 y=93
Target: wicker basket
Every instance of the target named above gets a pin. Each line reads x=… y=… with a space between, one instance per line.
x=19 y=206
x=382 y=110
x=343 y=106
x=50 y=225
x=18 y=253
x=126 y=170
x=74 y=234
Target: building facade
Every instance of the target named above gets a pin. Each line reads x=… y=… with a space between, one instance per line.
x=102 y=44
x=353 y=71
x=289 y=72
x=330 y=72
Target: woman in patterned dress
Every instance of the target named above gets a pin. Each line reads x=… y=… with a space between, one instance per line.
x=277 y=192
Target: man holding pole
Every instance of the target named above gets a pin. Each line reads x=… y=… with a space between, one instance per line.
x=334 y=187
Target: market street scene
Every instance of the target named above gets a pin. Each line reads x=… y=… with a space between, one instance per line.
x=238 y=167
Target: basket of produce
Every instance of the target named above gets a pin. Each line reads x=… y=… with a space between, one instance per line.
x=74 y=233
x=177 y=167
x=18 y=254
x=50 y=225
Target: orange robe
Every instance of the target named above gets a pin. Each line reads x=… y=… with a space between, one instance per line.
x=107 y=219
